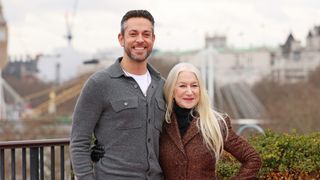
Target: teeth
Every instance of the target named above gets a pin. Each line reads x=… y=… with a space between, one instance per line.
x=139 y=48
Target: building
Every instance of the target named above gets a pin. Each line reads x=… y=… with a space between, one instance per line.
x=294 y=62
x=217 y=42
x=232 y=65
x=313 y=39
x=21 y=68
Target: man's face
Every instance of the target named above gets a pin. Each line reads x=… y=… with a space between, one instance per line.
x=138 y=38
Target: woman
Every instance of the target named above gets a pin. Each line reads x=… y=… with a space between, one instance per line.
x=194 y=136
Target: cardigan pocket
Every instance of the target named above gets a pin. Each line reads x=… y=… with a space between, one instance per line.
x=125 y=103
x=126 y=109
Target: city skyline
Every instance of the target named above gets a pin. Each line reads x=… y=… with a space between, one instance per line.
x=40 y=26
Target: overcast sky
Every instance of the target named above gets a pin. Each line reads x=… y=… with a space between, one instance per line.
x=39 y=26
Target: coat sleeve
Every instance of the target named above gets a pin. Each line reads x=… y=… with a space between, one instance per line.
x=86 y=115
x=243 y=152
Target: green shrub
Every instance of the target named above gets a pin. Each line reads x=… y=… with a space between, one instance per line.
x=282 y=154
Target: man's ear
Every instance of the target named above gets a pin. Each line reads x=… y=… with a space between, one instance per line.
x=121 y=39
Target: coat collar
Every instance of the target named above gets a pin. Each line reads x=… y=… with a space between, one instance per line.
x=192 y=131
x=116 y=70
x=174 y=133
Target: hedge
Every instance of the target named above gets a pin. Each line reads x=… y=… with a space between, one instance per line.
x=289 y=156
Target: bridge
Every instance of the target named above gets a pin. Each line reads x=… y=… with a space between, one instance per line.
x=44 y=102
x=238 y=100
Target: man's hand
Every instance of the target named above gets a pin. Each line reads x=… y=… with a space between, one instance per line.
x=97 y=151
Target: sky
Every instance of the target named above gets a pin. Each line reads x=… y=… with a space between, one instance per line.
x=39 y=26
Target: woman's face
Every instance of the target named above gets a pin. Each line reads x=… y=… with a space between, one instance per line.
x=186 y=92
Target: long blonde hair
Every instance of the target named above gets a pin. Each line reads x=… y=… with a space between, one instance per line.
x=208 y=122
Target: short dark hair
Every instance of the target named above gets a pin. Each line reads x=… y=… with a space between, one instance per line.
x=136 y=13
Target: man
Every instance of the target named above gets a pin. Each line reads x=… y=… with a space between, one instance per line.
x=123 y=107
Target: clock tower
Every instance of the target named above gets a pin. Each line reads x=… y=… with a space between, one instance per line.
x=3 y=40
x=3 y=60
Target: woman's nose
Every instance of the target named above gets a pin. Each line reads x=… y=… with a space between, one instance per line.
x=189 y=90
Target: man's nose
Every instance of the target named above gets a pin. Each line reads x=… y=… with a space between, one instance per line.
x=140 y=37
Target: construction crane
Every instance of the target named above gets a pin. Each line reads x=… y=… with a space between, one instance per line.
x=70 y=23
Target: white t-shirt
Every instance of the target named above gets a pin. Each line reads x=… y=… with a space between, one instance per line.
x=142 y=80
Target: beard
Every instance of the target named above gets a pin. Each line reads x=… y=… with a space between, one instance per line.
x=135 y=57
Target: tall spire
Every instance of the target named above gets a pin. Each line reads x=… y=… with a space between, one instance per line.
x=3 y=39
x=0 y=8
x=1 y=13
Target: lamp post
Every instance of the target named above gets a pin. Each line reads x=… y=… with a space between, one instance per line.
x=2 y=102
x=210 y=62
x=207 y=69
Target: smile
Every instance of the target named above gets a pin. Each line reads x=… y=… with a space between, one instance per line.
x=188 y=99
x=139 y=47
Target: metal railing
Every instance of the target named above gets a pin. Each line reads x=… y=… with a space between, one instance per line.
x=37 y=159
